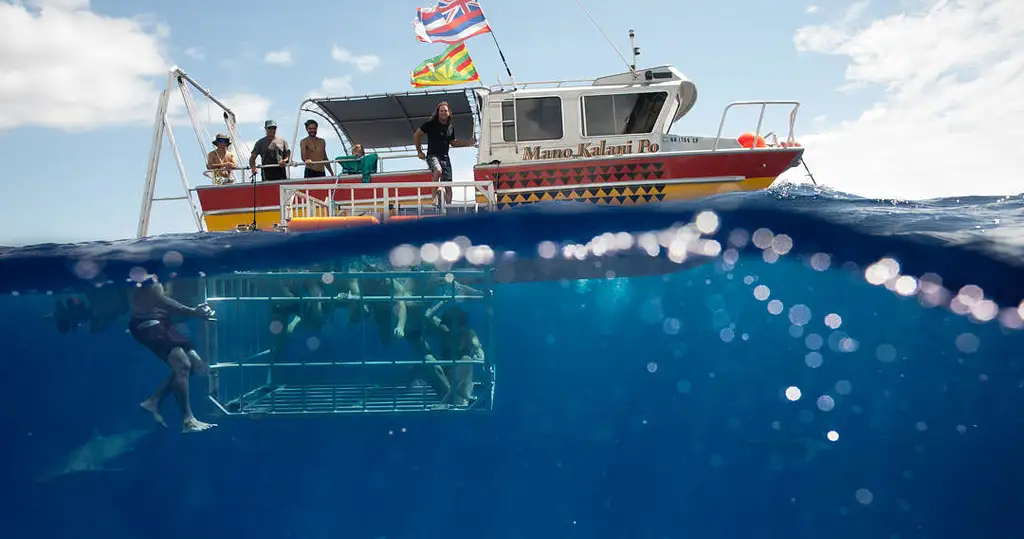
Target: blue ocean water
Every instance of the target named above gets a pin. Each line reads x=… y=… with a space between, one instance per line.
x=815 y=365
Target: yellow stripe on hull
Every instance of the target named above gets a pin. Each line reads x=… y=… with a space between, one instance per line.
x=225 y=222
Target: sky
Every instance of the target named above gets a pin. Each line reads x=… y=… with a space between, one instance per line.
x=905 y=99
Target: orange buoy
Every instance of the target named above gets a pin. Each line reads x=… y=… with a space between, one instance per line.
x=399 y=218
x=304 y=224
x=747 y=140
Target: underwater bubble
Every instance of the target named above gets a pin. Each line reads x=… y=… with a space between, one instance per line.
x=821 y=261
x=905 y=285
x=813 y=341
x=775 y=307
x=886 y=353
x=833 y=321
x=796 y=331
x=762 y=238
x=670 y=326
x=749 y=279
x=799 y=314
x=430 y=253
x=707 y=222
x=761 y=292
x=832 y=436
x=313 y=343
x=769 y=256
x=825 y=403
x=738 y=238
x=731 y=256
x=727 y=335
x=813 y=360
x=793 y=393
x=961 y=429
x=173 y=259
x=864 y=496
x=882 y=271
x=480 y=254
x=327 y=278
x=967 y=343
x=921 y=426
x=546 y=249
x=403 y=256
x=843 y=387
x=86 y=269
x=782 y=244
x=776 y=425
x=276 y=327
x=652 y=367
x=684 y=386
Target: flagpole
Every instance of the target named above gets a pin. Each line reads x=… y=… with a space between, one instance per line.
x=502 y=55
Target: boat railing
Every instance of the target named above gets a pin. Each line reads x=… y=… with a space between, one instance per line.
x=382 y=201
x=760 y=118
x=497 y=88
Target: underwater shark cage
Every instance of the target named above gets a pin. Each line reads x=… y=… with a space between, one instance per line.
x=286 y=344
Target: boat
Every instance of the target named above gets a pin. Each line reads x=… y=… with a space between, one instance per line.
x=602 y=141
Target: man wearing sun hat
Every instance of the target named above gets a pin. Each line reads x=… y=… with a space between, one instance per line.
x=221 y=161
x=274 y=151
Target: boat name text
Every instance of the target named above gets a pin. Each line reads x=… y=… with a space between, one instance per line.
x=585 y=150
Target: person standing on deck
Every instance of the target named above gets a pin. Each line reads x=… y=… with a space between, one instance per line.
x=440 y=133
x=314 y=153
x=274 y=151
x=221 y=161
x=150 y=325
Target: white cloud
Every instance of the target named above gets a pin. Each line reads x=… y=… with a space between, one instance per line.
x=334 y=87
x=812 y=9
x=64 y=66
x=953 y=101
x=363 y=62
x=282 y=58
x=195 y=52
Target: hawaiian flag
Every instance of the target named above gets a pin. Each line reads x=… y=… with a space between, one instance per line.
x=450 y=21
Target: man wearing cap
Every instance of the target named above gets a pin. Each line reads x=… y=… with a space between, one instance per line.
x=314 y=152
x=275 y=154
x=221 y=161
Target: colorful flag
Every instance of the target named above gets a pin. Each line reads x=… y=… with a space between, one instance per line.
x=453 y=66
x=451 y=21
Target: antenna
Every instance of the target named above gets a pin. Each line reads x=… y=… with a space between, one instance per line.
x=632 y=69
x=636 y=50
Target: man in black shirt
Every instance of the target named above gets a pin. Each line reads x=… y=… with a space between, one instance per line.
x=440 y=135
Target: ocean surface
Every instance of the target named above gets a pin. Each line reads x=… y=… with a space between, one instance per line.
x=794 y=363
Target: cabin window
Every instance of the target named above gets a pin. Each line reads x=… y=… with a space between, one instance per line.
x=623 y=114
x=537 y=118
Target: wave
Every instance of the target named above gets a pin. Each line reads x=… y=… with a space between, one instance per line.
x=967 y=241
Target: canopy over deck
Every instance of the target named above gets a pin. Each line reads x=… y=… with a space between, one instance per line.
x=387 y=121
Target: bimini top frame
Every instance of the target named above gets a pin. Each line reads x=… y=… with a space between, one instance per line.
x=384 y=123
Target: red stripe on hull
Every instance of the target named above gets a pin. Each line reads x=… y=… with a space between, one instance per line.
x=749 y=164
x=240 y=195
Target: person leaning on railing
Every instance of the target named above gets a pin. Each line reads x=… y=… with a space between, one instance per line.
x=221 y=161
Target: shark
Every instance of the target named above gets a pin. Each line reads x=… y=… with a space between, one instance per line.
x=96 y=454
